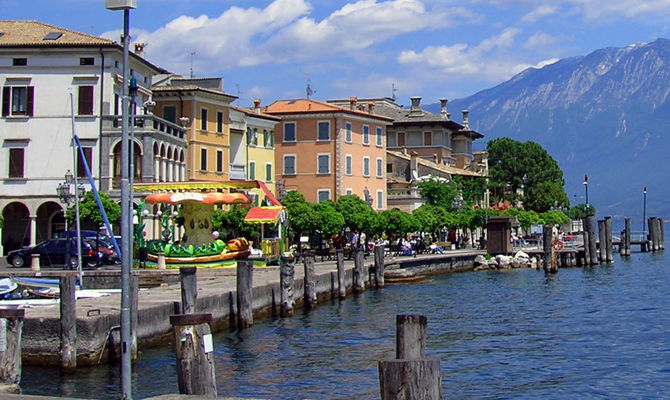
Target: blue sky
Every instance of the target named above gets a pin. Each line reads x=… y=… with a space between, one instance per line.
x=428 y=48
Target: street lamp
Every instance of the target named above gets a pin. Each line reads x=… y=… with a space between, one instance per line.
x=126 y=215
x=68 y=198
x=586 y=188
x=644 y=213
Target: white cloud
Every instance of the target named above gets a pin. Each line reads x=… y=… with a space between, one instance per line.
x=539 y=13
x=540 y=40
x=597 y=9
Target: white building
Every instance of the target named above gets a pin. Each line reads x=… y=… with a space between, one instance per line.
x=43 y=67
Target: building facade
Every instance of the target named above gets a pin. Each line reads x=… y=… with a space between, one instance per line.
x=326 y=151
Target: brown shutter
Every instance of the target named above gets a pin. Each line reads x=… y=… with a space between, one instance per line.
x=5 y=101
x=16 y=163
x=30 y=95
x=85 y=102
x=81 y=171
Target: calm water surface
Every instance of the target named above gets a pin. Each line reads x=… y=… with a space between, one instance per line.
x=588 y=333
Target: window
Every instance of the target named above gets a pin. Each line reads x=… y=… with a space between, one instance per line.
x=366 y=134
x=269 y=138
x=389 y=168
x=348 y=164
x=366 y=166
x=380 y=199
x=347 y=135
x=219 y=161
x=254 y=137
x=390 y=139
x=289 y=165
x=324 y=130
x=289 y=132
x=203 y=119
x=17 y=100
x=203 y=159
x=349 y=192
x=268 y=172
x=323 y=161
x=16 y=159
x=88 y=155
x=252 y=170
x=379 y=136
x=19 y=62
x=169 y=113
x=427 y=139
x=219 y=121
x=401 y=139
x=86 y=61
x=85 y=100
x=380 y=168
x=323 y=195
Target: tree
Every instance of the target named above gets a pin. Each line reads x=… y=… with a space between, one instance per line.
x=299 y=213
x=554 y=217
x=90 y=213
x=579 y=211
x=438 y=193
x=230 y=224
x=397 y=223
x=327 y=219
x=358 y=215
x=515 y=165
x=472 y=188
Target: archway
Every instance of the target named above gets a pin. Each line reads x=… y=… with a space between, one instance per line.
x=16 y=229
x=50 y=220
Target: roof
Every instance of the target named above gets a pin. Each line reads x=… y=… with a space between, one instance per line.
x=252 y=113
x=263 y=215
x=26 y=34
x=192 y=88
x=436 y=166
x=303 y=106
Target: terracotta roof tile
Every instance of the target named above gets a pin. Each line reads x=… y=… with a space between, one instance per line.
x=313 y=106
x=32 y=33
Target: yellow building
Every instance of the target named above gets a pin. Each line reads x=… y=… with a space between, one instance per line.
x=202 y=107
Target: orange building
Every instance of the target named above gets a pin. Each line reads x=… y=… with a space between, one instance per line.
x=325 y=151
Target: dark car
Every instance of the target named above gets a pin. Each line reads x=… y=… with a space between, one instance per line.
x=53 y=251
x=106 y=249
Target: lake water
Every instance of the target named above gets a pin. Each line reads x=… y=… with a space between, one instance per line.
x=588 y=333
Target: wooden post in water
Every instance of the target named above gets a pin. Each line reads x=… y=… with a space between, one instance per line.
x=550 y=264
x=286 y=279
x=411 y=375
x=627 y=227
x=661 y=236
x=341 y=284
x=379 y=266
x=609 y=256
x=650 y=238
x=194 y=350
x=657 y=233
x=593 y=249
x=11 y=327
x=585 y=229
x=310 y=284
x=602 y=257
x=68 y=323
x=189 y=289
x=245 y=273
x=359 y=275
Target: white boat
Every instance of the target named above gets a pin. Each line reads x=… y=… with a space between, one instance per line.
x=7 y=286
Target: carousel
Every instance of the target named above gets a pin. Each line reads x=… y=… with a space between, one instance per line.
x=193 y=204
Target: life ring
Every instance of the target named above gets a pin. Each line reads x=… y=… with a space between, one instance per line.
x=557 y=245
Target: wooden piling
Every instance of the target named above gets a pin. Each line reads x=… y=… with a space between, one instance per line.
x=593 y=250
x=411 y=375
x=194 y=351
x=245 y=273
x=650 y=235
x=189 y=289
x=657 y=233
x=68 y=323
x=11 y=328
x=379 y=266
x=661 y=237
x=286 y=280
x=550 y=264
x=585 y=228
x=628 y=232
x=602 y=252
x=359 y=274
x=341 y=285
x=310 y=283
x=609 y=252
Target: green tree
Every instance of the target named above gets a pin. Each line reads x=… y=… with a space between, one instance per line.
x=438 y=193
x=554 y=217
x=471 y=187
x=514 y=165
x=579 y=211
x=327 y=219
x=299 y=213
x=430 y=218
x=358 y=215
x=230 y=224
x=397 y=223
x=90 y=214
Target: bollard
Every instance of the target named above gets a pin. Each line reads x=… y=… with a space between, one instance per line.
x=35 y=262
x=609 y=256
x=68 y=323
x=411 y=375
x=379 y=266
x=11 y=327
x=359 y=275
x=189 y=289
x=245 y=272
x=160 y=262
x=194 y=351
x=341 y=285
x=286 y=278
x=310 y=284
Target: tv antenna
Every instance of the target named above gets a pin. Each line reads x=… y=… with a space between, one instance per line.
x=393 y=90
x=191 y=70
x=237 y=85
x=308 y=89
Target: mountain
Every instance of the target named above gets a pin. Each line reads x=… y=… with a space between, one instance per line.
x=606 y=114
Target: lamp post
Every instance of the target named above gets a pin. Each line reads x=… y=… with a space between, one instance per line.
x=586 y=188
x=68 y=198
x=126 y=215
x=644 y=212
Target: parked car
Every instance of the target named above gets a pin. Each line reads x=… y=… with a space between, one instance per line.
x=52 y=252
x=106 y=249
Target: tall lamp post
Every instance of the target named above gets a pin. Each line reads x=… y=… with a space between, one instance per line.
x=66 y=197
x=586 y=188
x=126 y=214
x=644 y=212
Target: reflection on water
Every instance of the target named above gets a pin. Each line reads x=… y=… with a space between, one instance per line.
x=597 y=332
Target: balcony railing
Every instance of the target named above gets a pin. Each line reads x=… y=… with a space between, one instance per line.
x=145 y=124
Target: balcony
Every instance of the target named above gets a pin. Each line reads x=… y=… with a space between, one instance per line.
x=237 y=172
x=146 y=124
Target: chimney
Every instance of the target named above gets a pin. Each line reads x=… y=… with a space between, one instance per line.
x=435 y=158
x=352 y=103
x=404 y=150
x=371 y=107
x=443 y=109
x=257 y=105
x=415 y=109
x=414 y=164
x=465 y=119
x=139 y=49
